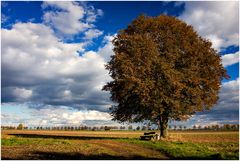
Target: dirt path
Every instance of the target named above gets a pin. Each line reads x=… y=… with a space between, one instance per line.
x=129 y=150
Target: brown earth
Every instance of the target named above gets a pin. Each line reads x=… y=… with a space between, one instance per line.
x=90 y=149
x=75 y=145
x=69 y=145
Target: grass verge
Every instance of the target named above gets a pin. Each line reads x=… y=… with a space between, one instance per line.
x=13 y=141
x=189 y=150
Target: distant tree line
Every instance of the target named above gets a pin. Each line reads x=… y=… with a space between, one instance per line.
x=68 y=128
x=130 y=127
x=207 y=127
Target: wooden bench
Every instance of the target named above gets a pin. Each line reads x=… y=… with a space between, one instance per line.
x=149 y=133
x=148 y=136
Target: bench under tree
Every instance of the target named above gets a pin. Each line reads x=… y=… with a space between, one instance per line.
x=148 y=136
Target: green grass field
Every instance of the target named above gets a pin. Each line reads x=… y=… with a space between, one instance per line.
x=26 y=144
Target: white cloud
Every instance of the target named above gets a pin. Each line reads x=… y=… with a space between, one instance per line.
x=4 y=18
x=217 y=42
x=66 y=21
x=43 y=122
x=92 y=33
x=217 y=21
x=42 y=57
x=107 y=50
x=51 y=69
x=70 y=18
x=229 y=91
x=89 y=115
x=67 y=116
x=93 y=14
x=53 y=116
x=229 y=59
x=22 y=93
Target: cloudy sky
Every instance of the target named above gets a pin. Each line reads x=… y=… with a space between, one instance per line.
x=53 y=56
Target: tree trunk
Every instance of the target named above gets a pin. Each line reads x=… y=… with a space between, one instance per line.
x=163 y=126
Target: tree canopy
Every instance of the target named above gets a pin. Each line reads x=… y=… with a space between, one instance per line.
x=162 y=69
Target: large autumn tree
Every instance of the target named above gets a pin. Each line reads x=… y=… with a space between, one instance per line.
x=162 y=69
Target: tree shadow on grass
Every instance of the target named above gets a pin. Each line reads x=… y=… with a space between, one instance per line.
x=40 y=155
x=209 y=157
x=216 y=156
x=64 y=137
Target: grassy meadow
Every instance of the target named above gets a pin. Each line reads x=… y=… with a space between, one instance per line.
x=33 y=144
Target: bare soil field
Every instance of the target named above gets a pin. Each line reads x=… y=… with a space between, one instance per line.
x=33 y=144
